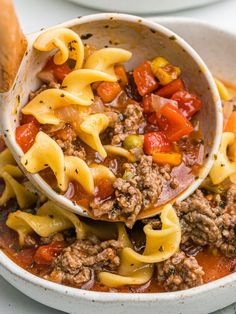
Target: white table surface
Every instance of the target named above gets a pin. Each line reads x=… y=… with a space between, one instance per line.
x=35 y=14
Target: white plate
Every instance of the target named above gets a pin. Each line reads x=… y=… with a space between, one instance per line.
x=142 y=7
x=216 y=47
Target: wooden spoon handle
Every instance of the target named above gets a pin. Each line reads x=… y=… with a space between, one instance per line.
x=13 y=45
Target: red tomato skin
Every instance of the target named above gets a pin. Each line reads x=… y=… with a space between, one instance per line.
x=173 y=87
x=145 y=79
x=45 y=254
x=25 y=135
x=59 y=70
x=147 y=103
x=188 y=104
x=152 y=118
x=156 y=142
x=27 y=118
x=173 y=123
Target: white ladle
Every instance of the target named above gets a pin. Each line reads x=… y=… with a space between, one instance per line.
x=145 y=39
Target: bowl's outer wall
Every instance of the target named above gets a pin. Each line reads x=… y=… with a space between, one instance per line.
x=79 y=302
x=203 y=299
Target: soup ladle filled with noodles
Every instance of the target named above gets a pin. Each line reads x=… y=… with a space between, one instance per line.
x=112 y=117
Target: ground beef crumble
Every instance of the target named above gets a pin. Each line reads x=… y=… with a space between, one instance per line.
x=74 y=266
x=129 y=123
x=72 y=148
x=209 y=223
x=198 y=220
x=140 y=186
x=231 y=199
x=227 y=225
x=128 y=199
x=179 y=272
x=67 y=139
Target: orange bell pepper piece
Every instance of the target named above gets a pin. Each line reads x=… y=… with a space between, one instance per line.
x=108 y=91
x=173 y=159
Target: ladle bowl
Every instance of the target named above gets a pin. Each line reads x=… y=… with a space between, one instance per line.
x=146 y=40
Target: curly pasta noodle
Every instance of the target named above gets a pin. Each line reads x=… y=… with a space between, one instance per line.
x=135 y=268
x=10 y=174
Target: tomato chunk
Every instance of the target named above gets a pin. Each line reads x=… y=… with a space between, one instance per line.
x=147 y=103
x=173 y=87
x=145 y=79
x=25 y=135
x=155 y=142
x=188 y=104
x=173 y=123
x=45 y=254
x=152 y=118
x=27 y=118
x=59 y=70
x=108 y=91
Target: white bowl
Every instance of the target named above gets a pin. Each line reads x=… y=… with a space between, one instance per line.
x=145 y=40
x=142 y=7
x=202 y=299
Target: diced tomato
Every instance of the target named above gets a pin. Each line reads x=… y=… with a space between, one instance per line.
x=25 y=135
x=173 y=87
x=45 y=254
x=230 y=125
x=108 y=91
x=173 y=123
x=188 y=104
x=27 y=118
x=152 y=118
x=145 y=79
x=147 y=103
x=155 y=142
x=121 y=73
x=59 y=70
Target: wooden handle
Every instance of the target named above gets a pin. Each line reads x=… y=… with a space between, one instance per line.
x=13 y=45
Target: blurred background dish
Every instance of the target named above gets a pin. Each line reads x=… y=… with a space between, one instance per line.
x=143 y=7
